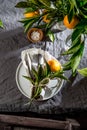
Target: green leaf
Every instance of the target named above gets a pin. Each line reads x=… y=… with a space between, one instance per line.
x=58 y=3
x=63 y=77
x=48 y=70
x=46 y=3
x=30 y=9
x=35 y=73
x=1 y=24
x=55 y=74
x=40 y=73
x=67 y=66
x=29 y=78
x=30 y=23
x=35 y=2
x=22 y=4
x=36 y=92
x=82 y=3
x=73 y=48
x=81 y=25
x=83 y=14
x=75 y=62
x=75 y=59
x=58 y=75
x=51 y=36
x=71 y=15
x=83 y=71
x=27 y=27
x=74 y=3
x=41 y=26
x=44 y=82
x=76 y=35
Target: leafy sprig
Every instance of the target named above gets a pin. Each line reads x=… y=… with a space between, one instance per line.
x=76 y=8
x=42 y=77
x=1 y=24
x=56 y=11
x=83 y=71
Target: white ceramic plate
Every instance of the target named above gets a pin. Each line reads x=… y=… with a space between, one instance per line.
x=24 y=84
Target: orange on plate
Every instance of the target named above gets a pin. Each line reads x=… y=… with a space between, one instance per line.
x=31 y=14
x=54 y=65
x=73 y=22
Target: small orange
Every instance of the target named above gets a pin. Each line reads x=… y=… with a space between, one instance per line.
x=73 y=22
x=31 y=14
x=54 y=65
x=45 y=19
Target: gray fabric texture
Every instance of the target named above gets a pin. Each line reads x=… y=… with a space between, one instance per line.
x=73 y=95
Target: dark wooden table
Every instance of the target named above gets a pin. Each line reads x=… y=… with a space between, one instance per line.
x=15 y=122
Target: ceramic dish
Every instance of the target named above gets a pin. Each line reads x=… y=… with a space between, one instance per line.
x=23 y=84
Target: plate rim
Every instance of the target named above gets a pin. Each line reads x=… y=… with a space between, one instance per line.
x=18 y=85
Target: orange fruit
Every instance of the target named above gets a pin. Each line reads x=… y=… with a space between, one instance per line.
x=31 y=14
x=73 y=22
x=45 y=19
x=54 y=65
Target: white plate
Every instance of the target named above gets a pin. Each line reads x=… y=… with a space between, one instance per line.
x=24 y=84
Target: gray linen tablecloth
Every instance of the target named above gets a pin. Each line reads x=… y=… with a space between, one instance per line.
x=73 y=96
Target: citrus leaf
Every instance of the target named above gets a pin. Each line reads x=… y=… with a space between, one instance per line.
x=46 y=3
x=36 y=2
x=28 y=26
x=81 y=24
x=75 y=59
x=35 y=73
x=56 y=74
x=74 y=3
x=40 y=73
x=36 y=92
x=22 y=4
x=46 y=70
x=73 y=49
x=30 y=9
x=29 y=78
x=75 y=62
x=30 y=23
x=51 y=36
x=76 y=35
x=83 y=71
x=1 y=24
x=67 y=66
x=82 y=2
x=63 y=77
x=70 y=16
x=44 y=82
